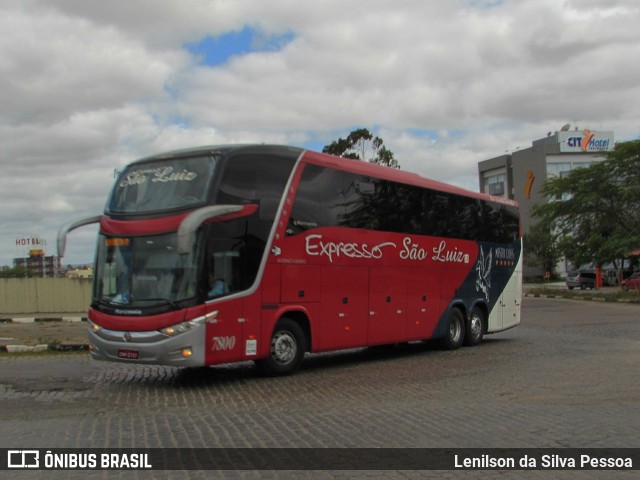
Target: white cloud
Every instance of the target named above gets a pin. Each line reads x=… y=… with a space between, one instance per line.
x=56 y=66
x=88 y=86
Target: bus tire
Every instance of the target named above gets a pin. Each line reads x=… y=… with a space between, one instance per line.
x=455 y=330
x=475 y=327
x=286 y=349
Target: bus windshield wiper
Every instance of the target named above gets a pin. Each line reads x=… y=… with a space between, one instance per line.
x=164 y=300
x=104 y=303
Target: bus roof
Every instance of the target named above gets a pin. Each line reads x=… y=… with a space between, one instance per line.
x=222 y=150
x=346 y=164
x=396 y=175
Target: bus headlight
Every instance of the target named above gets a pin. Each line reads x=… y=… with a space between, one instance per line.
x=183 y=327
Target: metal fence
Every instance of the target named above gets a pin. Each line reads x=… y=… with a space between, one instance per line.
x=44 y=295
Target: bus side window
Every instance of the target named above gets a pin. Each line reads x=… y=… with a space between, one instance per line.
x=328 y=198
x=308 y=206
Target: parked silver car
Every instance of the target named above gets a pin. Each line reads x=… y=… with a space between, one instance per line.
x=581 y=279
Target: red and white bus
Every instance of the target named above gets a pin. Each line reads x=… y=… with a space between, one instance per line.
x=232 y=253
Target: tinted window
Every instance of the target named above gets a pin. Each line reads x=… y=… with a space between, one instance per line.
x=325 y=198
x=255 y=179
x=328 y=197
x=143 y=271
x=163 y=185
x=232 y=256
x=234 y=249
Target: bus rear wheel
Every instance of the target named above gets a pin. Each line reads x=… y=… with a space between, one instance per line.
x=475 y=327
x=286 y=350
x=455 y=330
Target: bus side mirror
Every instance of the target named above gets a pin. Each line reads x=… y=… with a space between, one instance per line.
x=65 y=229
x=193 y=221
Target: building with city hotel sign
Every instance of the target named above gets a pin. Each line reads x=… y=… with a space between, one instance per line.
x=520 y=174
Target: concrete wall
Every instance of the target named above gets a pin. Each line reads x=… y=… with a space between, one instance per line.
x=44 y=295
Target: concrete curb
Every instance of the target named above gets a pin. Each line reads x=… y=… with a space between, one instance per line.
x=42 y=319
x=583 y=298
x=51 y=347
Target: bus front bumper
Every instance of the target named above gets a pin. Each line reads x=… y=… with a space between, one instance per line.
x=182 y=349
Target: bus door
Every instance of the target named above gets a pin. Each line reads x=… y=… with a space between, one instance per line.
x=387 y=306
x=223 y=275
x=343 y=307
x=224 y=332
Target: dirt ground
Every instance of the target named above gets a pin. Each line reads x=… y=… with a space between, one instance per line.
x=45 y=332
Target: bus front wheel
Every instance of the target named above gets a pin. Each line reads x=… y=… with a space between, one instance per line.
x=286 y=349
x=455 y=330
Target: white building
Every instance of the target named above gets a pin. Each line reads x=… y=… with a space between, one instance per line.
x=520 y=175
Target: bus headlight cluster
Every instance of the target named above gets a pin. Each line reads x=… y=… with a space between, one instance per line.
x=181 y=328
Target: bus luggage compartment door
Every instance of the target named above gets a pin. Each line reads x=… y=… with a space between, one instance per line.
x=300 y=284
x=387 y=306
x=343 y=307
x=423 y=303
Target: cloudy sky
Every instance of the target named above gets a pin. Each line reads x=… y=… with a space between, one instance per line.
x=87 y=87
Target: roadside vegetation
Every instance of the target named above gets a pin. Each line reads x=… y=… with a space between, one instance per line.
x=598 y=295
x=593 y=218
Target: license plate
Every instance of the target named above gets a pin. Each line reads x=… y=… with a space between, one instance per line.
x=128 y=354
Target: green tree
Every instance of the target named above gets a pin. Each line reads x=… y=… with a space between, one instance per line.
x=541 y=247
x=596 y=209
x=16 y=272
x=362 y=145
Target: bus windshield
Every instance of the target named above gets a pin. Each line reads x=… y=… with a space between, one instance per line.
x=163 y=185
x=143 y=271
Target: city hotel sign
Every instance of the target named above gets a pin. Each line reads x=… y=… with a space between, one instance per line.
x=31 y=241
x=585 y=141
